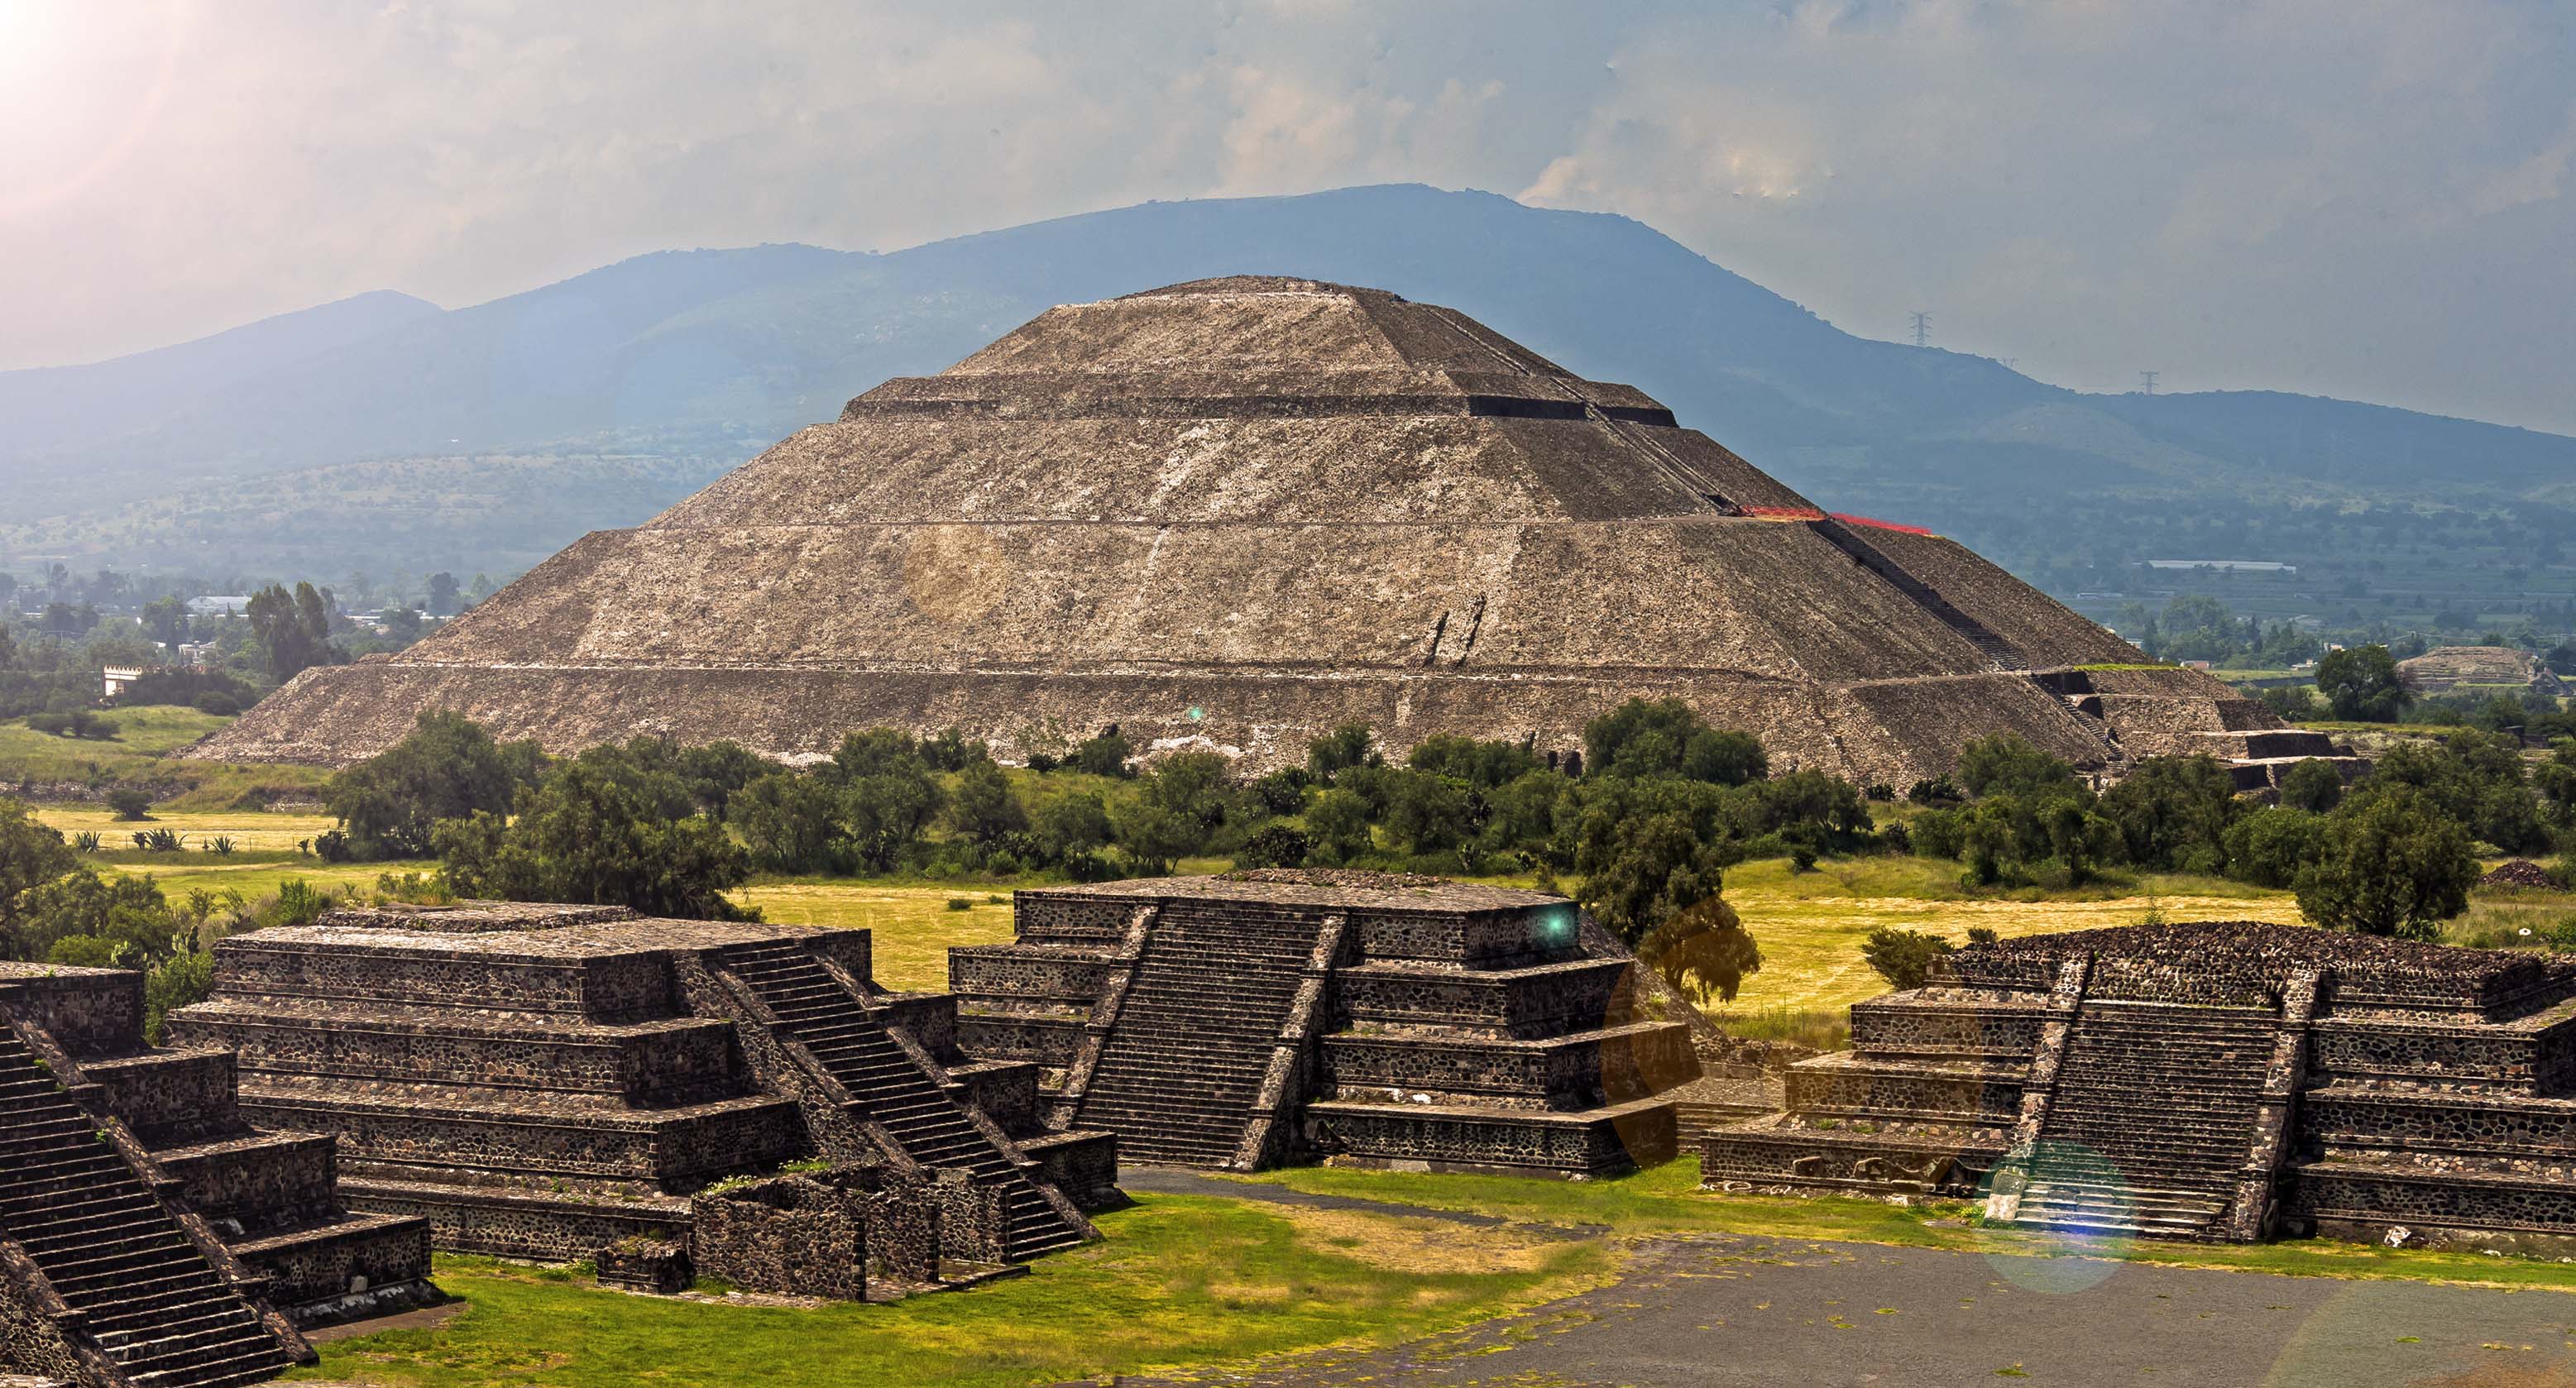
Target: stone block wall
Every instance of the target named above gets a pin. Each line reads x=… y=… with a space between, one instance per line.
x=169 y=1095
x=786 y=1234
x=88 y=1012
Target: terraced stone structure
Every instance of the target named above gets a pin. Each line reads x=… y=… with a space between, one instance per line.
x=2219 y=1081
x=148 y=1235
x=546 y=1081
x=1286 y=1015
x=1234 y=514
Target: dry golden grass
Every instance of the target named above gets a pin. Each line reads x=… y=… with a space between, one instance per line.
x=911 y=927
x=248 y=829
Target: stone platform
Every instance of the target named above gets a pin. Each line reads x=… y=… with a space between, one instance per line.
x=545 y=1081
x=2221 y=1081
x=1277 y=1016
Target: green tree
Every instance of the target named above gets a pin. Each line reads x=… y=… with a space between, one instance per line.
x=127 y=913
x=1337 y=823
x=1666 y=738
x=1345 y=747
x=1483 y=765
x=1903 y=957
x=444 y=597
x=788 y=822
x=1177 y=809
x=1070 y=825
x=981 y=806
x=31 y=855
x=1105 y=755
x=602 y=828
x=2312 y=785
x=2173 y=812
x=447 y=767
x=1426 y=813
x=889 y=797
x=2270 y=846
x=1641 y=868
x=293 y=629
x=2360 y=684
x=1702 y=950
x=2389 y=864
x=2005 y=763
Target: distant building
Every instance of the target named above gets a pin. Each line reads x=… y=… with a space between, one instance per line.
x=2500 y=668
x=218 y=606
x=2251 y=566
x=114 y=678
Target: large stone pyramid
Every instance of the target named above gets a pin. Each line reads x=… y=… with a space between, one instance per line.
x=1237 y=512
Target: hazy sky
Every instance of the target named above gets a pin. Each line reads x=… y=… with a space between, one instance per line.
x=2350 y=197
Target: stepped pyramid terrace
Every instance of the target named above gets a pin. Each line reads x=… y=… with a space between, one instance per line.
x=551 y=1081
x=1287 y=1015
x=1234 y=514
x=150 y=1236
x=2218 y=1081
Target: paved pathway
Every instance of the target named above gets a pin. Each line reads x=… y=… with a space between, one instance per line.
x=1724 y=1310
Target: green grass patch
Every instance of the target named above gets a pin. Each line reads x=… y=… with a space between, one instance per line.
x=139 y=755
x=1181 y=1280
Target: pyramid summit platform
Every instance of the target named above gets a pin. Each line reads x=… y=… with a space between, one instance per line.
x=1234 y=514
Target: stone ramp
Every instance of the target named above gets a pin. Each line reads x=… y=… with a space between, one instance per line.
x=823 y=1016
x=147 y=1297
x=2152 y=1120
x=1214 y=991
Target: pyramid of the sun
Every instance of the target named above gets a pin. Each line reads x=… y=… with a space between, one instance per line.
x=1236 y=513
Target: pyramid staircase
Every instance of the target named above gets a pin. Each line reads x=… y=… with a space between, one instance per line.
x=854 y=1047
x=97 y=1230
x=1213 y=992
x=2152 y=1121
x=1998 y=652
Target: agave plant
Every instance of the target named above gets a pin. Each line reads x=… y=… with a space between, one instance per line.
x=86 y=841
x=159 y=841
x=220 y=845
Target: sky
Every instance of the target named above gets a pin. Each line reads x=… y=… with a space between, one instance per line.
x=2365 y=198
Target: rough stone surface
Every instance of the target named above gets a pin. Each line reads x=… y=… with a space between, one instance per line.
x=1284 y=1015
x=1233 y=514
x=2219 y=1081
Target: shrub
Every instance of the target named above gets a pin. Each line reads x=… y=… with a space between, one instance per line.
x=1903 y=957
x=2313 y=786
x=1337 y=828
x=1348 y=746
x=130 y=803
x=959 y=903
x=1072 y=826
x=1702 y=950
x=1274 y=845
x=1105 y=755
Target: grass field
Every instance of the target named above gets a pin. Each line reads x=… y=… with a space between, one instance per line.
x=138 y=755
x=248 y=829
x=1213 y=1283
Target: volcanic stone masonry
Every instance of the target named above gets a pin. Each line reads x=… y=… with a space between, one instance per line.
x=1234 y=514
x=1284 y=1015
x=2216 y=1081
x=549 y=1081
x=148 y=1234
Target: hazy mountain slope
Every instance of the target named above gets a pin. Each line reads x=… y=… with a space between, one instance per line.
x=692 y=354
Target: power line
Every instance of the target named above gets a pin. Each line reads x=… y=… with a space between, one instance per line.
x=1923 y=330
x=2147 y=379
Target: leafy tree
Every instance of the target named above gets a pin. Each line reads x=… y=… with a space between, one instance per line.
x=2312 y=785
x=293 y=629
x=1426 y=813
x=1274 y=845
x=714 y=771
x=888 y=795
x=1177 y=811
x=1071 y=825
x=130 y=803
x=443 y=594
x=1903 y=957
x=31 y=854
x=448 y=767
x=2173 y=812
x=1350 y=745
x=1105 y=755
x=166 y=618
x=1482 y=765
x=1667 y=739
x=2005 y=763
x=1702 y=950
x=788 y=822
x=604 y=828
x=1639 y=870
x=1337 y=823
x=1283 y=791
x=2291 y=703
x=2360 y=684
x=1522 y=814
x=127 y=914
x=2270 y=846
x=981 y=806
x=952 y=750
x=2390 y=864
x=2473 y=777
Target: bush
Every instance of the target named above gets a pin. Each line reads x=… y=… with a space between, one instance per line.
x=1105 y=755
x=603 y=828
x=1348 y=746
x=446 y=768
x=2313 y=786
x=1702 y=950
x=1274 y=846
x=959 y=903
x=1903 y=957
x=129 y=803
x=1337 y=828
x=1283 y=792
x=1072 y=826
x=2270 y=846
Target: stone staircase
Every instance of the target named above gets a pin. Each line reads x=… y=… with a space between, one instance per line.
x=148 y=1298
x=2152 y=1120
x=865 y=1059
x=1185 y=1061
